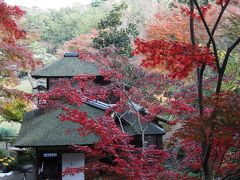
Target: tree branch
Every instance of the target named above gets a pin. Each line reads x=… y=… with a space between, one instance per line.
x=231 y=174
x=209 y=34
x=192 y=23
x=229 y=50
x=215 y=156
x=205 y=165
x=217 y=21
x=225 y=61
x=222 y=158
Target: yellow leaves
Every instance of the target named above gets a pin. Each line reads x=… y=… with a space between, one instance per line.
x=221 y=54
x=13 y=110
x=161 y=97
x=5 y=164
x=7 y=161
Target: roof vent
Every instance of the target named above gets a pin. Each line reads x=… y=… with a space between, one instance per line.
x=71 y=54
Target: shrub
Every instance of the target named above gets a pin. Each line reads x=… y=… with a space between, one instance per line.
x=7 y=164
x=27 y=157
x=3 y=153
x=7 y=160
x=6 y=132
x=8 y=129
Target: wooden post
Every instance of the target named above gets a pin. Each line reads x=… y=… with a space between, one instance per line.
x=6 y=141
x=6 y=144
x=48 y=85
x=36 y=163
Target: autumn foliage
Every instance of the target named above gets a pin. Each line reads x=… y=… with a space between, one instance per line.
x=177 y=58
x=125 y=159
x=221 y=129
x=81 y=42
x=9 y=29
x=209 y=134
x=114 y=154
x=13 y=54
x=173 y=24
x=208 y=137
x=13 y=58
x=207 y=142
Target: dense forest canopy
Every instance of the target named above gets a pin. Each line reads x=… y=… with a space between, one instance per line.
x=51 y=28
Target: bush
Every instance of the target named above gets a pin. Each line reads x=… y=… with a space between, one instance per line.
x=7 y=164
x=7 y=160
x=4 y=153
x=6 y=132
x=27 y=157
x=8 y=129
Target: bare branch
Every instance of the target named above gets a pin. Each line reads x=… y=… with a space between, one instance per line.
x=229 y=50
x=217 y=21
x=225 y=61
x=209 y=34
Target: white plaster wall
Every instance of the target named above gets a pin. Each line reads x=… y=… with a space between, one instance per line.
x=73 y=160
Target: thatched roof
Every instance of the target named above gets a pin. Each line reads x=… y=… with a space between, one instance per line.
x=45 y=129
x=67 y=67
x=133 y=127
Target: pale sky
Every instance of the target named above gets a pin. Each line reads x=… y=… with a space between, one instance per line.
x=45 y=4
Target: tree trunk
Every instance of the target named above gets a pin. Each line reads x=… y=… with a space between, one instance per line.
x=205 y=147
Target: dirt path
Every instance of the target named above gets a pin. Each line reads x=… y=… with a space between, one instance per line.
x=170 y=133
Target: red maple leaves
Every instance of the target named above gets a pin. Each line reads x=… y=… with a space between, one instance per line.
x=177 y=58
x=196 y=16
x=126 y=159
x=8 y=14
x=220 y=128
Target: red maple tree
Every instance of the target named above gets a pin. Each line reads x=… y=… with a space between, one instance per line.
x=13 y=58
x=81 y=42
x=130 y=92
x=13 y=55
x=209 y=135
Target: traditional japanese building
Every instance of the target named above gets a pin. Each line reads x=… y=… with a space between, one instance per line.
x=52 y=139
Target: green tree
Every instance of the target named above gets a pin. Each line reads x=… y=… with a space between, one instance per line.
x=57 y=26
x=96 y=3
x=40 y=51
x=112 y=31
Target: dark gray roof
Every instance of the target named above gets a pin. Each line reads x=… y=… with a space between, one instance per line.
x=45 y=129
x=67 y=67
x=134 y=129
